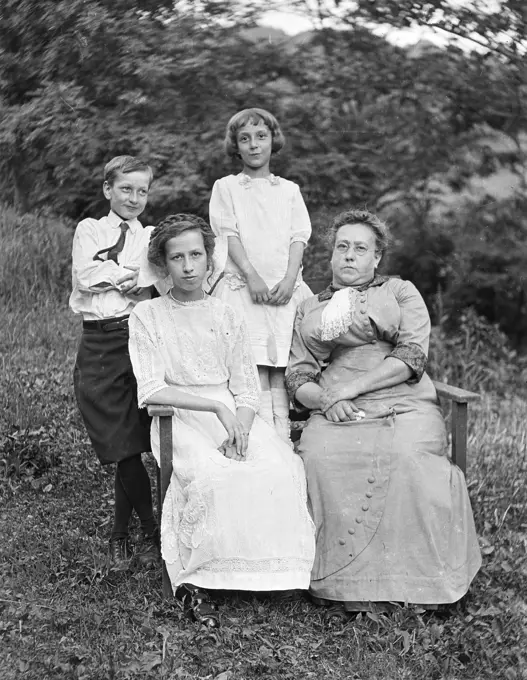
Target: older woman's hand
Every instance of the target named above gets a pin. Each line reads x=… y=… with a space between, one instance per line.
x=330 y=395
x=343 y=411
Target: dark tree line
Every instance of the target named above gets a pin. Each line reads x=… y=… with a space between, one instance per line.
x=367 y=123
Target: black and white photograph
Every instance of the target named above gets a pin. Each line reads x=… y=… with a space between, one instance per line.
x=263 y=380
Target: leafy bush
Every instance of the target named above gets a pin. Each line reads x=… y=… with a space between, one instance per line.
x=476 y=356
x=35 y=259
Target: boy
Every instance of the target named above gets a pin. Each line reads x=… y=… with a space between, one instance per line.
x=104 y=274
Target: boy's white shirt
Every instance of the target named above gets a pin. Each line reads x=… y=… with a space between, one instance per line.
x=93 y=301
x=87 y=297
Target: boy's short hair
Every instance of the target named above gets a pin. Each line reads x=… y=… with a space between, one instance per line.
x=254 y=116
x=126 y=164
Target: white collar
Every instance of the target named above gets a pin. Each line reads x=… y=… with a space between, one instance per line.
x=246 y=181
x=115 y=222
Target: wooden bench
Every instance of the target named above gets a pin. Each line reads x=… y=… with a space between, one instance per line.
x=459 y=419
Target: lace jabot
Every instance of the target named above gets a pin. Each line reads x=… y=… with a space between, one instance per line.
x=338 y=314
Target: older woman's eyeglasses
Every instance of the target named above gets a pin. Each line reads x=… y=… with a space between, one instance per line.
x=358 y=248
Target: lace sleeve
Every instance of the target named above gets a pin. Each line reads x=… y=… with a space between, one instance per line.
x=243 y=382
x=414 y=357
x=147 y=362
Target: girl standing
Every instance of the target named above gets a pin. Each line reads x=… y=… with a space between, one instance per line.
x=266 y=225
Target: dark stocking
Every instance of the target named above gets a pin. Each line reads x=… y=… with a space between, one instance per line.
x=123 y=509
x=133 y=484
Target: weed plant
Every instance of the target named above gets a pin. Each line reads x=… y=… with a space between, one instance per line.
x=35 y=259
x=65 y=614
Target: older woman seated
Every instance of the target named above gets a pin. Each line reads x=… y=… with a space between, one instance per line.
x=392 y=512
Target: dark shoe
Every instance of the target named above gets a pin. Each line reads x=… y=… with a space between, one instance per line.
x=295 y=595
x=149 y=554
x=198 y=605
x=120 y=554
x=372 y=607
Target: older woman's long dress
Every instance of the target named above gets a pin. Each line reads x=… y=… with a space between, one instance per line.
x=391 y=510
x=226 y=524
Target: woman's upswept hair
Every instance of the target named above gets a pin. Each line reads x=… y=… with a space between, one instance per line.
x=175 y=225
x=253 y=116
x=379 y=227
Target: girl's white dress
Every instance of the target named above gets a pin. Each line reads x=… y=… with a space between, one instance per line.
x=226 y=524
x=267 y=215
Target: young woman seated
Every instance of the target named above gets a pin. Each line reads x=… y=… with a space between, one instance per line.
x=235 y=514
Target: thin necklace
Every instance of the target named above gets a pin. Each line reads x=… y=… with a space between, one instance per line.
x=187 y=302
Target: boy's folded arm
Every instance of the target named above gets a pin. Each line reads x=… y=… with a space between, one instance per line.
x=93 y=276
x=100 y=276
x=149 y=273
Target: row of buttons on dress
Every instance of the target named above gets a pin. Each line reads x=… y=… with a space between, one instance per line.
x=371 y=480
x=365 y=508
x=364 y=314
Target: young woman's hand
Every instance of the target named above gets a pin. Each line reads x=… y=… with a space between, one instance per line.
x=237 y=436
x=343 y=411
x=230 y=452
x=257 y=288
x=282 y=292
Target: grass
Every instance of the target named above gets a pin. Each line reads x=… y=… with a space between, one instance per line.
x=35 y=257
x=63 y=614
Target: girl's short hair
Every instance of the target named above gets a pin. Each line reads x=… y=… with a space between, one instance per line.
x=253 y=116
x=379 y=227
x=126 y=164
x=175 y=225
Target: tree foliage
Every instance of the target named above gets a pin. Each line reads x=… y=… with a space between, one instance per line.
x=368 y=123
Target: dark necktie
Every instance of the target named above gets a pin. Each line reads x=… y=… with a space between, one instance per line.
x=114 y=250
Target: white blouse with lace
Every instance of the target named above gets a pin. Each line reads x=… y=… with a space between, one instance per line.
x=197 y=343
x=226 y=524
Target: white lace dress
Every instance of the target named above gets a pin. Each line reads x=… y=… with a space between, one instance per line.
x=267 y=215
x=226 y=524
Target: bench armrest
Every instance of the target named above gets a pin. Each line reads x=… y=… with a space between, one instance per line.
x=160 y=410
x=455 y=393
x=460 y=401
x=164 y=472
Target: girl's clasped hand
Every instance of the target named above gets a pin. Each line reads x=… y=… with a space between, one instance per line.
x=280 y=294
